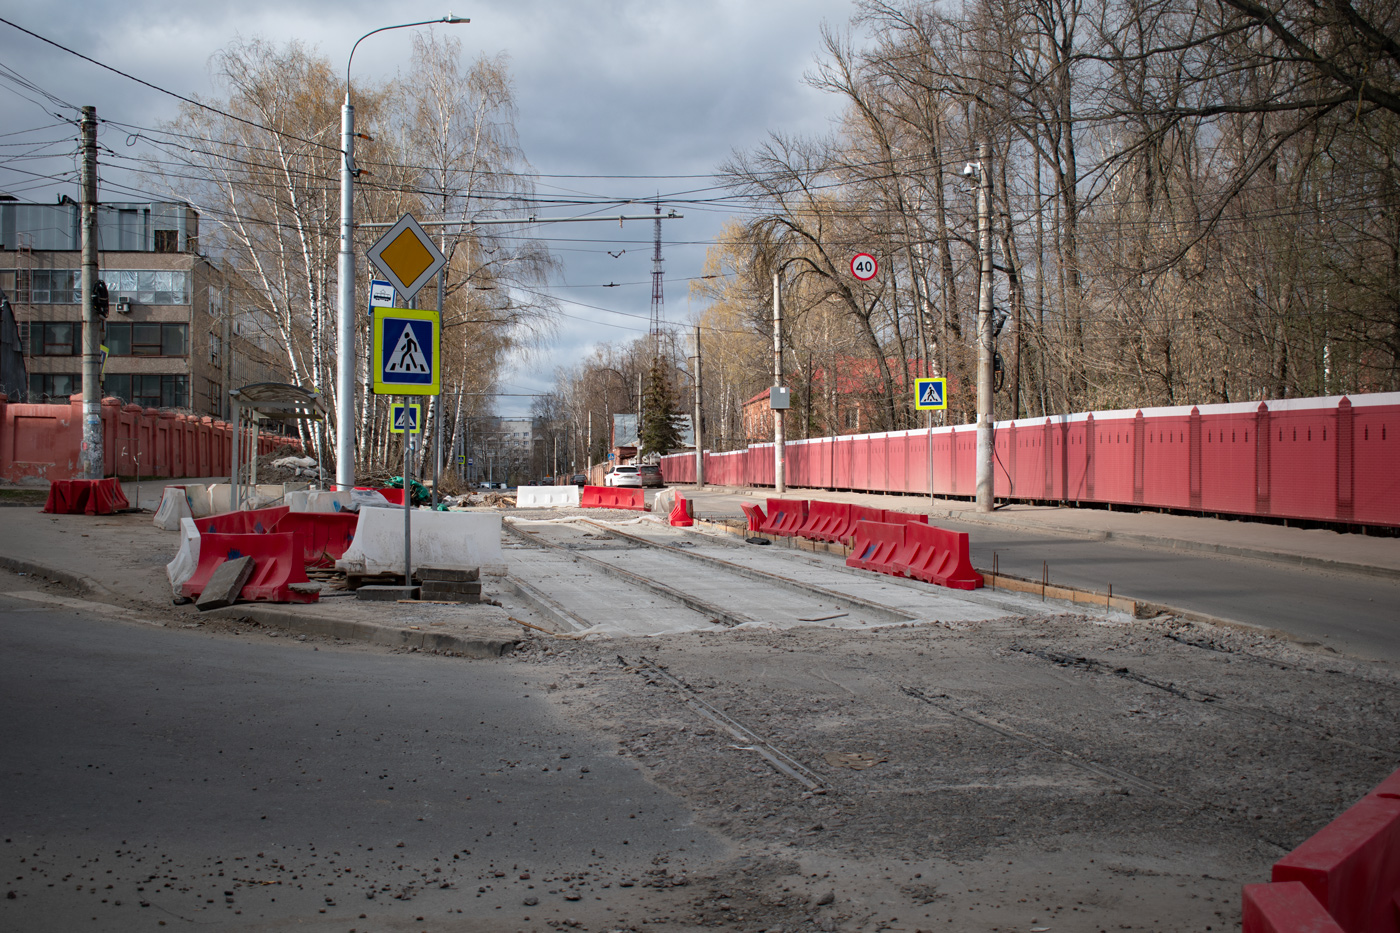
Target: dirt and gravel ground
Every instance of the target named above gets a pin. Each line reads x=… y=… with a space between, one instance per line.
x=1034 y=773
x=1025 y=774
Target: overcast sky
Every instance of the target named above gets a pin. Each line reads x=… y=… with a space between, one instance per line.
x=606 y=88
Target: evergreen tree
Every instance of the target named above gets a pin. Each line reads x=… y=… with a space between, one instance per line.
x=660 y=433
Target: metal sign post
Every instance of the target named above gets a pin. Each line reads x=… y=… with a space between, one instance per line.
x=930 y=395
x=407 y=509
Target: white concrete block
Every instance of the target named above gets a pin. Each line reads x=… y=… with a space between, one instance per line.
x=546 y=497
x=452 y=540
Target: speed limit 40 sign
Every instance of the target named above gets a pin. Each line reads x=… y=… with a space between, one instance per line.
x=864 y=266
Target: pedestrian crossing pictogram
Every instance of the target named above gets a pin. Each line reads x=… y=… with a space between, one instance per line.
x=407 y=356
x=930 y=394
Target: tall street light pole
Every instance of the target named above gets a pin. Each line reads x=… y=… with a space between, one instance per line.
x=345 y=271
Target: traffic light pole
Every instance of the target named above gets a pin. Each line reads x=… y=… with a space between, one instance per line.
x=91 y=461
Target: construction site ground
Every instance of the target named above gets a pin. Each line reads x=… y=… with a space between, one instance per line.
x=990 y=761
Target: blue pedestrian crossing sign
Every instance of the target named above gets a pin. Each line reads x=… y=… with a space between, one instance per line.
x=406 y=417
x=405 y=352
x=930 y=394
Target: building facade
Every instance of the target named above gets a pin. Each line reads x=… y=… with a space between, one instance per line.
x=176 y=334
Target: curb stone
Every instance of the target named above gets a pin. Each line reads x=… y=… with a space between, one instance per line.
x=275 y=617
x=468 y=646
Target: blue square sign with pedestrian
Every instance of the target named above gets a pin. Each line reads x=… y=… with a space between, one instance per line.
x=405 y=352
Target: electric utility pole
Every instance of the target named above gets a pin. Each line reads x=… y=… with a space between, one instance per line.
x=91 y=461
x=986 y=492
x=699 y=435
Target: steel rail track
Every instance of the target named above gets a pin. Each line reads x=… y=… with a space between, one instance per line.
x=719 y=613
x=890 y=612
x=779 y=759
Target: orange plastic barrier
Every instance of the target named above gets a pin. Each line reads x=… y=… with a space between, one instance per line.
x=754 y=513
x=277 y=564
x=606 y=497
x=1352 y=865
x=939 y=556
x=93 y=496
x=875 y=545
x=324 y=535
x=826 y=521
x=680 y=515
x=249 y=522
x=862 y=513
x=1285 y=908
x=785 y=516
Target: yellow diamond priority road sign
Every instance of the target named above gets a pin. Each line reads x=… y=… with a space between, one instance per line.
x=407 y=257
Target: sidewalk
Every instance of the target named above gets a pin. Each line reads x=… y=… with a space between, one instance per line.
x=1312 y=547
x=119 y=560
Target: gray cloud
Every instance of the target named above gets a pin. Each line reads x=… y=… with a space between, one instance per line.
x=621 y=87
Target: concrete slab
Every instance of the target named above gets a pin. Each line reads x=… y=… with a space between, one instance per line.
x=447 y=575
x=386 y=594
x=223 y=587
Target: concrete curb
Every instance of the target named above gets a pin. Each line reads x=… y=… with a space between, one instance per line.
x=303 y=623
x=76 y=581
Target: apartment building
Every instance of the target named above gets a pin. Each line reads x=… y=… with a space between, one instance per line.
x=178 y=333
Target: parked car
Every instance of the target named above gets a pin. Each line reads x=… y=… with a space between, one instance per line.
x=579 y=479
x=650 y=474
x=623 y=475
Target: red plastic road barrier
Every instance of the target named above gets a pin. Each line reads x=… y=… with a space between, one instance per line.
x=680 y=515
x=826 y=521
x=395 y=496
x=754 y=513
x=324 y=535
x=93 y=496
x=1352 y=865
x=249 y=522
x=937 y=555
x=785 y=516
x=606 y=497
x=1285 y=908
x=908 y=518
x=875 y=545
x=861 y=513
x=277 y=564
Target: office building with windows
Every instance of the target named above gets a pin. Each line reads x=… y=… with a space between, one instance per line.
x=175 y=333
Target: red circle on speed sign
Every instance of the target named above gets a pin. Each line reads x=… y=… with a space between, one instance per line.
x=864 y=266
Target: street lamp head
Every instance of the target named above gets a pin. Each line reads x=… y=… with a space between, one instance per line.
x=454 y=20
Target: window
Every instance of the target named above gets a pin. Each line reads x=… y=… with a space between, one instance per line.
x=54 y=387
x=167 y=241
x=64 y=286
x=48 y=338
x=147 y=339
x=149 y=391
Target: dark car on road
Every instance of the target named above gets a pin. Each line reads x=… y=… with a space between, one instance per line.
x=579 y=479
x=650 y=475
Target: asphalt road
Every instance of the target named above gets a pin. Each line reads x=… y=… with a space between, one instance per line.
x=1352 y=613
x=1355 y=614
x=155 y=775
